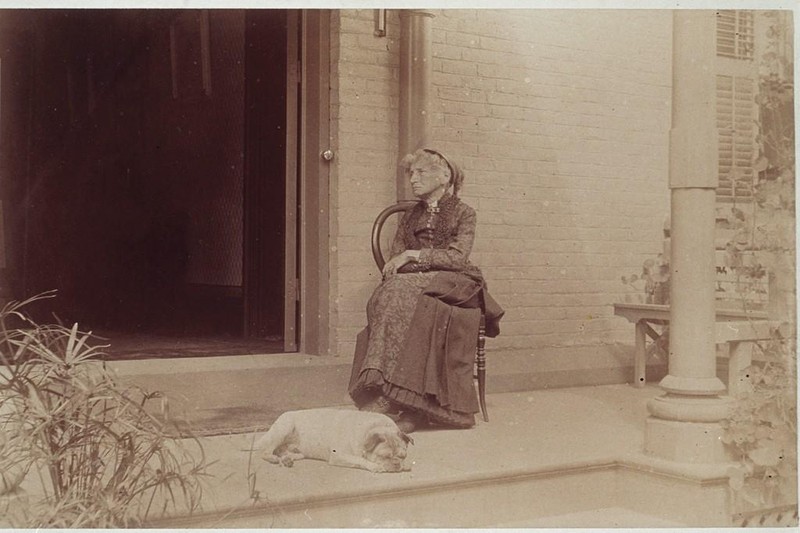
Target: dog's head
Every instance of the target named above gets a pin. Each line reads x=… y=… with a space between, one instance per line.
x=387 y=447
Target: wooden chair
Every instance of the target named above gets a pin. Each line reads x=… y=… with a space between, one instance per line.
x=480 y=350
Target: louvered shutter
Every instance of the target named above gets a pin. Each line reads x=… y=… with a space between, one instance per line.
x=736 y=127
x=735 y=34
x=736 y=108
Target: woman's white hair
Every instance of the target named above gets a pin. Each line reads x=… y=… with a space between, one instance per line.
x=436 y=158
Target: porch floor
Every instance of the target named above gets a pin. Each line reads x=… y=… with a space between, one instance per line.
x=123 y=345
x=530 y=434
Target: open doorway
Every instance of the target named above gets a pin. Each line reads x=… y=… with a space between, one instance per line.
x=150 y=181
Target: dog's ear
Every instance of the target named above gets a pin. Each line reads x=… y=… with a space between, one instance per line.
x=406 y=438
x=374 y=438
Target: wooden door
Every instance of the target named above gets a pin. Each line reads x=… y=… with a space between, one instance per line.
x=270 y=188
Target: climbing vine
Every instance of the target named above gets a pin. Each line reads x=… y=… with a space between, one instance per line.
x=761 y=432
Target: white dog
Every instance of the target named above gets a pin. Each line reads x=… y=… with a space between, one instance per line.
x=355 y=439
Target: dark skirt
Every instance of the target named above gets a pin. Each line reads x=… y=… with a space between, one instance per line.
x=395 y=361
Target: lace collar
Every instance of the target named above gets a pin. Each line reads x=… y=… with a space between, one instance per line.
x=435 y=206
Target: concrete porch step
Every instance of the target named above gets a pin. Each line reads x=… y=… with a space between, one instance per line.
x=606 y=517
x=569 y=497
x=556 y=457
x=587 y=496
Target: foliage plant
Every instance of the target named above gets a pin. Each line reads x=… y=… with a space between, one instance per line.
x=652 y=285
x=761 y=432
x=93 y=452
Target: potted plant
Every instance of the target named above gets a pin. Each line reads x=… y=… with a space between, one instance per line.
x=652 y=285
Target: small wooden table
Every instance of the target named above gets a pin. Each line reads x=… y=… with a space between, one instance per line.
x=734 y=326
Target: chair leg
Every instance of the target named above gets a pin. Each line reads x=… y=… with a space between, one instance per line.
x=481 y=361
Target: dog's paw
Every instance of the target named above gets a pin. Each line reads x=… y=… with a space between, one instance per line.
x=286 y=460
x=271 y=458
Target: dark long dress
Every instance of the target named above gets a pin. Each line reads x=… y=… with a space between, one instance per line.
x=418 y=348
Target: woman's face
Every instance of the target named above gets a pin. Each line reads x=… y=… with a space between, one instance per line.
x=426 y=178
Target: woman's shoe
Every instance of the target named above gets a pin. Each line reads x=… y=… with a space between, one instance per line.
x=380 y=404
x=410 y=422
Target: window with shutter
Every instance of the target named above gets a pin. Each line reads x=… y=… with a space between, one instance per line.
x=735 y=34
x=736 y=107
x=736 y=127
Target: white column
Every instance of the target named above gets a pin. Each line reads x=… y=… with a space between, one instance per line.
x=692 y=358
x=684 y=422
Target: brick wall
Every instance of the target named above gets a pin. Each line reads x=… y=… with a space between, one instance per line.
x=364 y=127
x=560 y=119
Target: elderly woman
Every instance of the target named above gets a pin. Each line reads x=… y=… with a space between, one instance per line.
x=414 y=359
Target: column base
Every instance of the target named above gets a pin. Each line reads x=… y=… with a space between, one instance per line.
x=693 y=386
x=690 y=408
x=685 y=442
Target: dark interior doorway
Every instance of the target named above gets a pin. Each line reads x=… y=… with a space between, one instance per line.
x=129 y=141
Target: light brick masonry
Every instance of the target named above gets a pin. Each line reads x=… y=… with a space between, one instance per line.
x=560 y=119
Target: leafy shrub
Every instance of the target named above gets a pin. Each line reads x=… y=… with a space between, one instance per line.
x=94 y=453
x=762 y=431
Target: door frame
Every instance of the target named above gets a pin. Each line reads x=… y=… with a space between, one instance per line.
x=291 y=283
x=266 y=152
x=315 y=173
